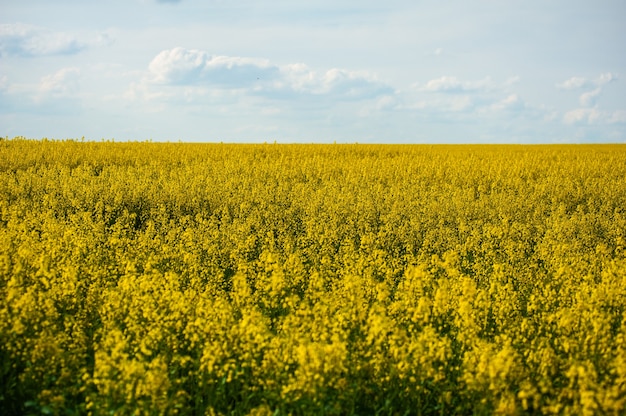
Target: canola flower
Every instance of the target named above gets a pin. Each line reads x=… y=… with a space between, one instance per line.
x=170 y=278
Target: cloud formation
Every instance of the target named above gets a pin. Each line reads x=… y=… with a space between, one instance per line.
x=588 y=115
x=594 y=116
x=510 y=103
x=338 y=82
x=572 y=83
x=62 y=82
x=192 y=67
x=19 y=39
x=449 y=97
x=589 y=112
x=53 y=94
x=588 y=99
x=577 y=83
x=454 y=85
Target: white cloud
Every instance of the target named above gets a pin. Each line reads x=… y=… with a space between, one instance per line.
x=191 y=67
x=618 y=116
x=449 y=95
x=62 y=82
x=588 y=99
x=583 y=115
x=514 y=80
x=511 y=102
x=575 y=83
x=386 y=102
x=454 y=85
x=54 y=94
x=335 y=81
x=444 y=83
x=572 y=83
x=606 y=78
x=26 y=40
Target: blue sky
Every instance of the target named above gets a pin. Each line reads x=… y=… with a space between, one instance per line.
x=394 y=71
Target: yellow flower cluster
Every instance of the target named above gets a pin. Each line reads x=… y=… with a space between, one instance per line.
x=170 y=278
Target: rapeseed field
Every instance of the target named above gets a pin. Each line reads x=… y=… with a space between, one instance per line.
x=192 y=279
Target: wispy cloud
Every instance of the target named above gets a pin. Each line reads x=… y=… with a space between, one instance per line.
x=572 y=83
x=588 y=99
x=63 y=82
x=587 y=115
x=589 y=111
x=19 y=39
x=452 y=84
x=450 y=94
x=335 y=81
x=512 y=102
x=56 y=93
x=575 y=83
x=594 y=87
x=618 y=116
x=594 y=116
x=606 y=78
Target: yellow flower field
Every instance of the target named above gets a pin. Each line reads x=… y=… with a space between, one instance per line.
x=192 y=279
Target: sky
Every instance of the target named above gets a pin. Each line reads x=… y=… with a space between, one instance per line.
x=393 y=71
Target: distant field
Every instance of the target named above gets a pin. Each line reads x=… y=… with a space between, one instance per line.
x=162 y=278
